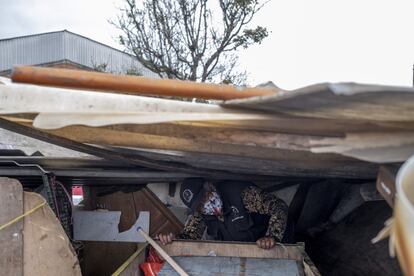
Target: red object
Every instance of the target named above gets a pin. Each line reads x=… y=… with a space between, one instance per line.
x=153 y=264
x=151 y=269
x=77 y=190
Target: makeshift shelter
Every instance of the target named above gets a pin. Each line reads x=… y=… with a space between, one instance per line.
x=337 y=131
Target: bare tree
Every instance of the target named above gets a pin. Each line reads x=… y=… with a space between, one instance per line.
x=190 y=39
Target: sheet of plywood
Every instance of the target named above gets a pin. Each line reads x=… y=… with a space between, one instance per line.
x=103 y=226
x=47 y=249
x=11 y=239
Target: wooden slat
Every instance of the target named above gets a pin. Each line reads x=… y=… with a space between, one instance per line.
x=11 y=240
x=233 y=249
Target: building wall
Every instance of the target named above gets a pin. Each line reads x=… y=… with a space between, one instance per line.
x=31 y=50
x=49 y=48
x=64 y=64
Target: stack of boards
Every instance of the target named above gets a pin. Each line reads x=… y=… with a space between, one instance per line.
x=342 y=130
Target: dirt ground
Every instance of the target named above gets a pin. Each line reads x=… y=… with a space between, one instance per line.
x=347 y=250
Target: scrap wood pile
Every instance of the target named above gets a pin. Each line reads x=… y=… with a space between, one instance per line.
x=325 y=130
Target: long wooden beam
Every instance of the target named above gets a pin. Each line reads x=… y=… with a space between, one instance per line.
x=132 y=84
x=125 y=158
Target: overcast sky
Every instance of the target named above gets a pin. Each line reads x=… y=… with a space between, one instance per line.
x=311 y=41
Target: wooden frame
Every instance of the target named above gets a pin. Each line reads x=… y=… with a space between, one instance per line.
x=234 y=249
x=293 y=252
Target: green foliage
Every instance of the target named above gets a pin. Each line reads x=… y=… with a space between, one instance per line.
x=134 y=72
x=102 y=67
x=251 y=36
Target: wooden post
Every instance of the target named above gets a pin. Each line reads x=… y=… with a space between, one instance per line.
x=133 y=84
x=11 y=239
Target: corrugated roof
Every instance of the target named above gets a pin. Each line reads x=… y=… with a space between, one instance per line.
x=50 y=47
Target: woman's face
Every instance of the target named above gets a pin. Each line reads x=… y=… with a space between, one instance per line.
x=212 y=203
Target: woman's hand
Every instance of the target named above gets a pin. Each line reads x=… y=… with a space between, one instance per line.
x=266 y=242
x=166 y=238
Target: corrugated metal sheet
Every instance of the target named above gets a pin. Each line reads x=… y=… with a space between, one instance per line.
x=64 y=45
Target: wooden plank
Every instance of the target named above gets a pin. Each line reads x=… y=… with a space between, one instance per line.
x=108 y=137
x=11 y=239
x=121 y=157
x=285 y=159
x=283 y=123
x=267 y=139
x=380 y=147
x=233 y=249
x=218 y=165
x=47 y=248
x=373 y=147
